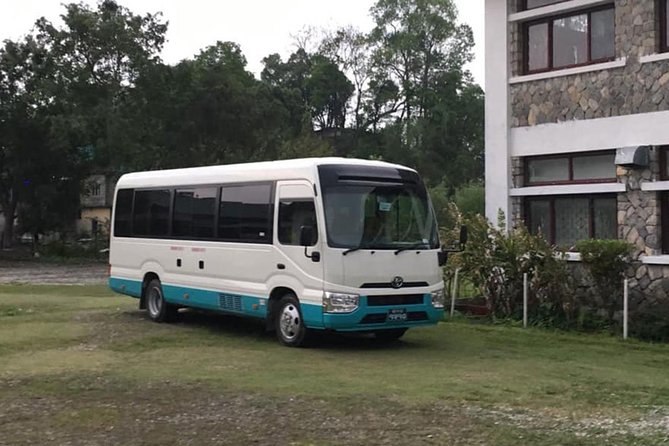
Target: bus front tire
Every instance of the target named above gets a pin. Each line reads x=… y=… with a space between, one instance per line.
x=159 y=310
x=290 y=329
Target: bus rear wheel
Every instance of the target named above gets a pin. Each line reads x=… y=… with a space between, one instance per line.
x=159 y=310
x=290 y=328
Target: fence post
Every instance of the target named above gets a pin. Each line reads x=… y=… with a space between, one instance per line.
x=625 y=306
x=454 y=291
x=525 y=292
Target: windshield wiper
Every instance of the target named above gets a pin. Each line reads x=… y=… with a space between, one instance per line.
x=410 y=247
x=348 y=251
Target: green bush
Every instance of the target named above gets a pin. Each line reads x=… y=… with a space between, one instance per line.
x=651 y=322
x=495 y=261
x=606 y=262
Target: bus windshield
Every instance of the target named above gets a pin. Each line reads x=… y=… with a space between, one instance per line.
x=379 y=216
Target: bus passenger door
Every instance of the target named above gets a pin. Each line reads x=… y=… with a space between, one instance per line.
x=299 y=268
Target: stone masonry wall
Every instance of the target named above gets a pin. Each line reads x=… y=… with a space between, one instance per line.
x=639 y=224
x=634 y=88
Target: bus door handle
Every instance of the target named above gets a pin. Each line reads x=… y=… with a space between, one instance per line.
x=280 y=266
x=201 y=264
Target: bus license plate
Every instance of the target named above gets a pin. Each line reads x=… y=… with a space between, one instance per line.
x=397 y=315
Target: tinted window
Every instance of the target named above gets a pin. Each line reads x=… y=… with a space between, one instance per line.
x=548 y=169
x=594 y=167
x=292 y=216
x=122 y=216
x=565 y=220
x=151 y=213
x=603 y=34
x=559 y=42
x=194 y=211
x=537 y=36
x=245 y=213
x=570 y=41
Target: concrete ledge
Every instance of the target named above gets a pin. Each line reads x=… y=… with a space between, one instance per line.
x=568 y=189
x=650 y=186
x=654 y=58
x=558 y=8
x=618 y=63
x=655 y=260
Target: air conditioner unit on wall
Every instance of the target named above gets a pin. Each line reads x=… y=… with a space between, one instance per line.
x=636 y=156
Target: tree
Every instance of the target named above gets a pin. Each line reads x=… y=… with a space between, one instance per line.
x=349 y=48
x=100 y=54
x=416 y=40
x=323 y=88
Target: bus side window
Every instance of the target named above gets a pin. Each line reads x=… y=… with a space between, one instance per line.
x=292 y=216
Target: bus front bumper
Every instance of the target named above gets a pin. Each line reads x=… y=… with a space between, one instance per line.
x=378 y=317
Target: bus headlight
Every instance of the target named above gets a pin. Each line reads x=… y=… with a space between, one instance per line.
x=438 y=299
x=340 y=302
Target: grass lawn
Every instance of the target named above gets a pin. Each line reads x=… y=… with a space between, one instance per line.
x=80 y=365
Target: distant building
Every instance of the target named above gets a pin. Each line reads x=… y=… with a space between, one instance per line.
x=577 y=124
x=96 y=203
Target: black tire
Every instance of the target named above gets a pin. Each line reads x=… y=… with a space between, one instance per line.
x=159 y=310
x=390 y=335
x=290 y=329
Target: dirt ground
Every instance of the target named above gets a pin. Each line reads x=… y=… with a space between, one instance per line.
x=22 y=272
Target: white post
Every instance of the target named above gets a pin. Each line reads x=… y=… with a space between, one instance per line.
x=525 y=291
x=454 y=291
x=625 y=307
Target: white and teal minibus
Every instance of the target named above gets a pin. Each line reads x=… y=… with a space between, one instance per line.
x=313 y=244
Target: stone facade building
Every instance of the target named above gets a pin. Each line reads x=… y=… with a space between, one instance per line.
x=577 y=124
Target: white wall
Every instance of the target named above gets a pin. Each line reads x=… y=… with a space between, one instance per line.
x=592 y=134
x=497 y=110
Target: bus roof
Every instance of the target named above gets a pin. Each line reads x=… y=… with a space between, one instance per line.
x=304 y=168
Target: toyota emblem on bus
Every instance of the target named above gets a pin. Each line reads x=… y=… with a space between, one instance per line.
x=397 y=282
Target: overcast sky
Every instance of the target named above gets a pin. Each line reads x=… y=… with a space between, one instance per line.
x=261 y=27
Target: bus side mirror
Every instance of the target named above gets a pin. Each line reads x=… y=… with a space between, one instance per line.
x=443 y=254
x=306 y=235
x=307 y=239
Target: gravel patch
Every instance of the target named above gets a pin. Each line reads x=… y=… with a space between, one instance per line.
x=53 y=274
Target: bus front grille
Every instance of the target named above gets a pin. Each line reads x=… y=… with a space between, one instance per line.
x=230 y=302
x=400 y=299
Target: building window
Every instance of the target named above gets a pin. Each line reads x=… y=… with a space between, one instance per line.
x=194 y=212
x=565 y=220
x=95 y=189
x=572 y=40
x=664 y=199
x=245 y=214
x=573 y=168
x=663 y=11
x=531 y=4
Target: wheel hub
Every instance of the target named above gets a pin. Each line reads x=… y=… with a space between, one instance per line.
x=290 y=322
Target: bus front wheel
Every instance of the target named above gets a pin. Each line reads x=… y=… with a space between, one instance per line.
x=290 y=329
x=159 y=310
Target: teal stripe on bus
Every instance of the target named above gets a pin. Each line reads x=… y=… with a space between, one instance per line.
x=219 y=301
x=126 y=286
